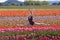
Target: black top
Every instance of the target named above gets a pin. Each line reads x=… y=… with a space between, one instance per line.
x=30 y=19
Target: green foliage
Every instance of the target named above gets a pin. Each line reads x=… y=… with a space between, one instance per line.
x=12 y=4
x=29 y=2
x=1 y=4
x=44 y=3
x=36 y=3
x=44 y=32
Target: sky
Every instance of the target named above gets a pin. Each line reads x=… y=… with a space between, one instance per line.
x=1 y=1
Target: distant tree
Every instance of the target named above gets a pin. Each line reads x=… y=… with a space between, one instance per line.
x=11 y=4
x=32 y=2
x=21 y=4
x=1 y=4
x=28 y=3
x=59 y=3
x=44 y=3
x=54 y=3
x=37 y=3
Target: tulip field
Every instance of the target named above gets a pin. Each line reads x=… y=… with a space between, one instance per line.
x=24 y=12
x=11 y=22
x=29 y=32
x=11 y=17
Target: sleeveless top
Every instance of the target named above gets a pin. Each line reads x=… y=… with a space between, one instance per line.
x=30 y=19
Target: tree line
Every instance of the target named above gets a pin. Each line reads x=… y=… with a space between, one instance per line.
x=27 y=3
x=36 y=3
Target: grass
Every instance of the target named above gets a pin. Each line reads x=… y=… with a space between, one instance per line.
x=32 y=7
x=44 y=32
x=49 y=33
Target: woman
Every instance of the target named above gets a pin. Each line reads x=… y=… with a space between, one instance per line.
x=30 y=18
